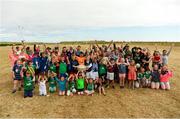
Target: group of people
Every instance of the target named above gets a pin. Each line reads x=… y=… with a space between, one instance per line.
x=71 y=70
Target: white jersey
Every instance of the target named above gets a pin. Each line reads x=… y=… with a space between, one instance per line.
x=42 y=88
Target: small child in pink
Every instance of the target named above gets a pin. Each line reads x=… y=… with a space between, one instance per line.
x=164 y=77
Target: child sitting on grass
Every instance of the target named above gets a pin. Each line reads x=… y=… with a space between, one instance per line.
x=90 y=87
x=28 y=85
x=80 y=77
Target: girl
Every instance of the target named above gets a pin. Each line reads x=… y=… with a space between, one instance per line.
x=61 y=84
x=80 y=83
x=17 y=75
x=42 y=84
x=155 y=77
x=110 y=73
x=148 y=78
x=102 y=70
x=28 y=85
x=71 y=85
x=52 y=82
x=132 y=73
x=62 y=67
x=164 y=77
x=43 y=63
x=122 y=70
x=140 y=78
x=90 y=87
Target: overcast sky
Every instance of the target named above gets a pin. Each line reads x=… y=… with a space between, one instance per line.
x=56 y=20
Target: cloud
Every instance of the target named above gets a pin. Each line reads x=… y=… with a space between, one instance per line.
x=47 y=17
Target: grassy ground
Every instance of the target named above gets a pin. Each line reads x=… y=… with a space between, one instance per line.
x=117 y=103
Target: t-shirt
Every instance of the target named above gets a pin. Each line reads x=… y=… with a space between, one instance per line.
x=17 y=71
x=90 y=86
x=71 y=85
x=80 y=83
x=81 y=60
x=140 y=75
x=28 y=83
x=155 y=76
x=31 y=69
x=62 y=68
x=147 y=74
x=52 y=82
x=122 y=68
x=52 y=68
x=61 y=84
x=102 y=69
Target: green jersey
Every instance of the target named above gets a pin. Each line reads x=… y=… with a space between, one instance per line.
x=62 y=68
x=140 y=75
x=52 y=82
x=102 y=69
x=147 y=74
x=80 y=83
x=31 y=69
x=28 y=83
x=52 y=68
x=71 y=85
x=90 y=86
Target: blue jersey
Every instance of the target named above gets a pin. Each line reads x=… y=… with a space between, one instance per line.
x=61 y=84
x=17 y=71
x=36 y=63
x=43 y=64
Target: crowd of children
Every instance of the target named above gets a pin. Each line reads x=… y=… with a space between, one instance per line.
x=75 y=71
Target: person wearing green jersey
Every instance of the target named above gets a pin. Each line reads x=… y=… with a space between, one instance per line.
x=140 y=78
x=62 y=67
x=52 y=82
x=80 y=77
x=90 y=87
x=71 y=85
x=28 y=85
x=148 y=78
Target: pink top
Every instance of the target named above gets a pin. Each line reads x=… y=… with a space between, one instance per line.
x=165 y=77
x=12 y=58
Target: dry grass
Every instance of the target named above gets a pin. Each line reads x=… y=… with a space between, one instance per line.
x=117 y=103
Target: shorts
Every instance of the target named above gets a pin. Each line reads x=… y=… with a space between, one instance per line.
x=18 y=79
x=80 y=90
x=28 y=93
x=110 y=76
x=95 y=75
x=89 y=74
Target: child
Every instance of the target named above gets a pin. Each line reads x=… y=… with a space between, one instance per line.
x=52 y=82
x=61 y=84
x=42 y=84
x=110 y=73
x=165 y=55
x=155 y=77
x=147 y=78
x=140 y=78
x=102 y=70
x=90 y=87
x=122 y=71
x=71 y=85
x=28 y=85
x=164 y=77
x=80 y=83
x=62 y=67
x=17 y=75
x=31 y=69
x=132 y=73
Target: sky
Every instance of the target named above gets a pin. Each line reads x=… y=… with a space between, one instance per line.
x=74 y=20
